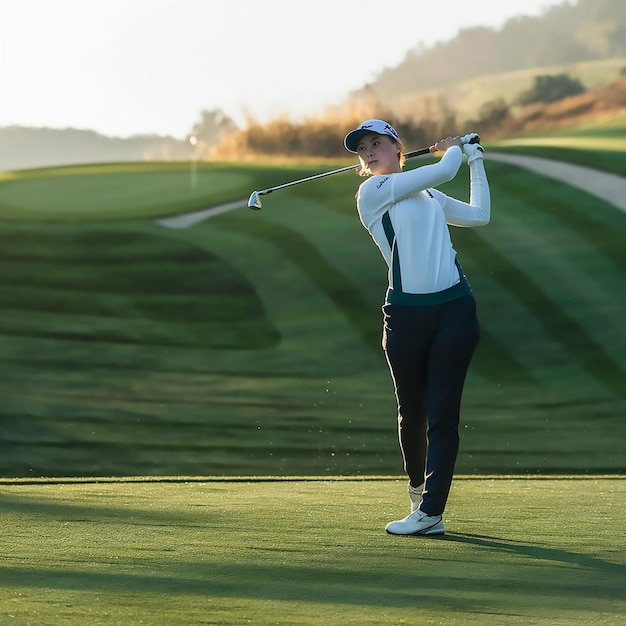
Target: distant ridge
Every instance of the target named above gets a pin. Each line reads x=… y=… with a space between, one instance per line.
x=24 y=148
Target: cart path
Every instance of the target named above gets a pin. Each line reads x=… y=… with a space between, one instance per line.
x=189 y=219
x=609 y=187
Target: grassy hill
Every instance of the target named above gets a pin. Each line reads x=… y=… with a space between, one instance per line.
x=569 y=37
x=598 y=142
x=466 y=97
x=250 y=343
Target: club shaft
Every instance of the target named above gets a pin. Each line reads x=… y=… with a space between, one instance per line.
x=254 y=201
x=265 y=192
x=307 y=179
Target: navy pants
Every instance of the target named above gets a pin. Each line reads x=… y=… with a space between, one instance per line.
x=429 y=349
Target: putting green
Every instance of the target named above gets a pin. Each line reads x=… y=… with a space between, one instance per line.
x=127 y=190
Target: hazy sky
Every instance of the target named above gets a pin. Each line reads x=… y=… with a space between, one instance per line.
x=150 y=66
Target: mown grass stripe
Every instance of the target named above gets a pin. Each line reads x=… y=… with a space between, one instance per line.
x=494 y=358
x=590 y=217
x=579 y=265
x=495 y=362
x=571 y=273
x=519 y=333
x=560 y=324
x=332 y=282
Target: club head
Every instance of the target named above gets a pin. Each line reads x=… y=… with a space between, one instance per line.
x=254 y=202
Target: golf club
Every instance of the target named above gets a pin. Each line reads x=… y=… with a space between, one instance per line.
x=254 y=201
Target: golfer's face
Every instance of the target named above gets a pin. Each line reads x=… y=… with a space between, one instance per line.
x=379 y=154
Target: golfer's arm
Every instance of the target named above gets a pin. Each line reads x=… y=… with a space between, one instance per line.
x=478 y=211
x=427 y=176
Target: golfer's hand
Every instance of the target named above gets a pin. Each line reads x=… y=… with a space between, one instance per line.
x=472 y=150
x=443 y=144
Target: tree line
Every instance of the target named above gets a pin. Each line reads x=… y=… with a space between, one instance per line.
x=550 y=100
x=573 y=32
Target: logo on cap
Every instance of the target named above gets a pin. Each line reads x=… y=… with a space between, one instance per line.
x=391 y=130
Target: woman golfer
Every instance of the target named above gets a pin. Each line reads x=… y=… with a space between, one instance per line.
x=430 y=328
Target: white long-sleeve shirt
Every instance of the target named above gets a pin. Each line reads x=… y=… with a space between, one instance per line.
x=404 y=212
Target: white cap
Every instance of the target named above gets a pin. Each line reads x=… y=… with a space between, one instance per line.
x=380 y=127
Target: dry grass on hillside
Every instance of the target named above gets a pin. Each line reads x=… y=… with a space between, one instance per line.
x=321 y=136
x=592 y=103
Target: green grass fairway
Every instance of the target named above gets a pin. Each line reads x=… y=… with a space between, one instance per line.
x=250 y=343
x=598 y=143
x=249 y=346
x=298 y=552
x=117 y=190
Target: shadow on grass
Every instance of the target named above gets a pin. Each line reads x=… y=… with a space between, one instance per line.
x=453 y=586
x=538 y=553
x=203 y=515
x=492 y=574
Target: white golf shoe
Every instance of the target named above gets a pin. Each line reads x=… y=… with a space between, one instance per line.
x=415 y=495
x=417 y=523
